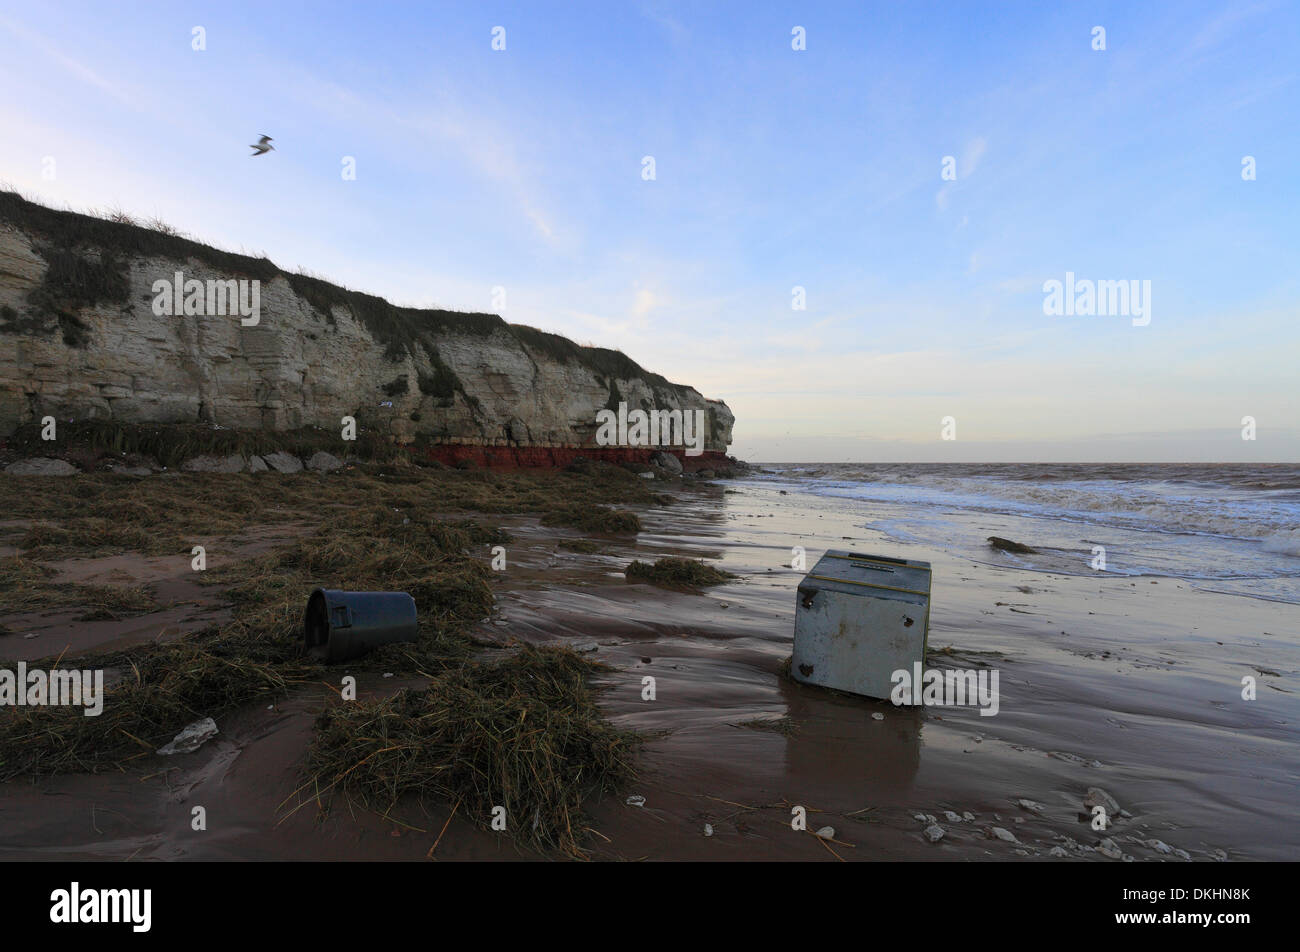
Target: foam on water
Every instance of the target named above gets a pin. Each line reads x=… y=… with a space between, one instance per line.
x=1238 y=526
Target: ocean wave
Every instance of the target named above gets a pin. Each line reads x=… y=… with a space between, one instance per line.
x=1161 y=505
x=1270 y=477
x=1286 y=542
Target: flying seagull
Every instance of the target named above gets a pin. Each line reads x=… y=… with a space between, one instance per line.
x=263 y=146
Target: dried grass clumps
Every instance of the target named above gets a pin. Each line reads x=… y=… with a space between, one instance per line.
x=593 y=519
x=159 y=689
x=26 y=586
x=163 y=687
x=90 y=536
x=1007 y=545
x=100 y=513
x=677 y=573
x=585 y=546
x=370 y=550
x=523 y=733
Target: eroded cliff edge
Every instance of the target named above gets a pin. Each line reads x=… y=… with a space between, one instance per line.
x=80 y=339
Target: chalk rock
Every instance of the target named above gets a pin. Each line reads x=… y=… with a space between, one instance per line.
x=951 y=817
x=877 y=716
x=122 y=469
x=1160 y=846
x=667 y=462
x=1003 y=834
x=1109 y=849
x=968 y=817
x=1057 y=851
x=191 y=738
x=41 y=466
x=1032 y=806
x=826 y=833
x=324 y=463
x=708 y=829
x=1071 y=758
x=215 y=464
x=1097 y=797
x=283 y=462
x=311 y=360
x=934 y=833
x=636 y=800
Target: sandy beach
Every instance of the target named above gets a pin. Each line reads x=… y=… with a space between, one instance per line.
x=1129 y=684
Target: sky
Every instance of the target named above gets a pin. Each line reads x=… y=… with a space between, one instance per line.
x=775 y=168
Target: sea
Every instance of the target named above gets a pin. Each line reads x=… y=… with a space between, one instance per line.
x=1231 y=528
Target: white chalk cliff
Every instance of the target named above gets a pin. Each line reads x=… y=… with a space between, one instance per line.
x=80 y=339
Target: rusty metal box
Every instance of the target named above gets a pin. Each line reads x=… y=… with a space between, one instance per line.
x=858 y=619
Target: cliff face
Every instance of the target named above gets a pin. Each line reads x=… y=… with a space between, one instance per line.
x=80 y=337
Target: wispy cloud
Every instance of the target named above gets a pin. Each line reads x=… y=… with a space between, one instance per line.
x=1219 y=28
x=73 y=66
x=488 y=147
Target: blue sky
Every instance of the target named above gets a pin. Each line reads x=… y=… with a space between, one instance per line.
x=774 y=169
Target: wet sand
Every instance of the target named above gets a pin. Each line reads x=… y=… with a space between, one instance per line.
x=1108 y=682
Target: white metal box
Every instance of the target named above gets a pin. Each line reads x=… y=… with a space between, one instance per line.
x=858 y=619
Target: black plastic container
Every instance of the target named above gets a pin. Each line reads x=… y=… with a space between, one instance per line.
x=342 y=625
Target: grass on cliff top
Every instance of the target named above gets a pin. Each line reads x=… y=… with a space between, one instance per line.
x=521 y=732
x=677 y=573
x=122 y=237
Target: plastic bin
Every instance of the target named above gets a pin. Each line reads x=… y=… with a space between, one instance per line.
x=342 y=625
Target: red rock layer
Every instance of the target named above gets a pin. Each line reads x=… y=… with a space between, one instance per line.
x=542 y=457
